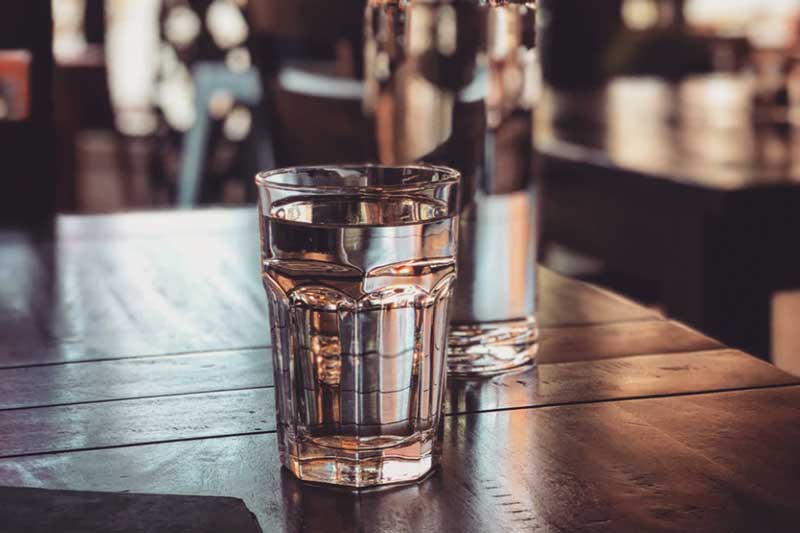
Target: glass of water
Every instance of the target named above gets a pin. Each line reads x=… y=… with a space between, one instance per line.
x=453 y=82
x=359 y=264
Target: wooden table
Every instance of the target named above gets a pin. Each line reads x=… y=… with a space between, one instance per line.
x=134 y=357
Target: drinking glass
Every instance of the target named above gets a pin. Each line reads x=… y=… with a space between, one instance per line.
x=454 y=82
x=359 y=263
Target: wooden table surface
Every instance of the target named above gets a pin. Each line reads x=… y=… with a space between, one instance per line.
x=134 y=357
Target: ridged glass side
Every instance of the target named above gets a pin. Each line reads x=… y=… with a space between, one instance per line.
x=359 y=317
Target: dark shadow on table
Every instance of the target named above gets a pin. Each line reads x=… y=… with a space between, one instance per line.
x=41 y=510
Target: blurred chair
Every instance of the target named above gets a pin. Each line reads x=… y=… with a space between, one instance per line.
x=211 y=131
x=317 y=118
x=216 y=80
x=306 y=108
x=305 y=29
x=310 y=54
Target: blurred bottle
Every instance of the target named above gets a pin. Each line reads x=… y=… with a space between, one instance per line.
x=453 y=83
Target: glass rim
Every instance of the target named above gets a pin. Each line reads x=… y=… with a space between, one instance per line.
x=438 y=175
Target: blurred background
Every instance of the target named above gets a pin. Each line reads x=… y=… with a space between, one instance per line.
x=132 y=93
x=666 y=130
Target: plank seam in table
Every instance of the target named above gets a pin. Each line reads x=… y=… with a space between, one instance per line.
x=271 y=386
x=457 y=414
x=487 y=410
x=259 y=354
x=138 y=357
x=135 y=444
x=627 y=398
x=131 y=398
x=542 y=329
x=449 y=415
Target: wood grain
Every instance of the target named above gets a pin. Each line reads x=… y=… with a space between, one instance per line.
x=600 y=467
x=86 y=298
x=573 y=381
x=151 y=376
x=620 y=339
x=140 y=377
x=122 y=423
x=192 y=416
x=114 y=286
x=565 y=302
x=618 y=378
x=735 y=426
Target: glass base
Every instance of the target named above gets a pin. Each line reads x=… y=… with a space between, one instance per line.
x=363 y=466
x=491 y=348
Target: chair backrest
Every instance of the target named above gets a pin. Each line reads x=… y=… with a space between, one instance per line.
x=308 y=30
x=317 y=119
x=211 y=78
x=322 y=22
x=312 y=67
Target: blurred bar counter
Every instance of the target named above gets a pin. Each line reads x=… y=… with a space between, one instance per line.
x=668 y=144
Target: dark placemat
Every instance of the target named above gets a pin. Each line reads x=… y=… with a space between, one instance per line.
x=41 y=510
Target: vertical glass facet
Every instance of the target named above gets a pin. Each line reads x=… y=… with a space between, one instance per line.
x=359 y=266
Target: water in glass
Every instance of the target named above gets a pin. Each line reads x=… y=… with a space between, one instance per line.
x=359 y=289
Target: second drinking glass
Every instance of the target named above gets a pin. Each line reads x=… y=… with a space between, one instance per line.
x=453 y=83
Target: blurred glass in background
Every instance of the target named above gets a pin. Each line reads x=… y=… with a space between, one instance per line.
x=453 y=83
